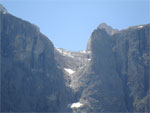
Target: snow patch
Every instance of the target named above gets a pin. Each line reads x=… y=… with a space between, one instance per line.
x=140 y=26
x=67 y=54
x=84 y=51
x=59 y=50
x=89 y=52
x=4 y=12
x=89 y=59
x=76 y=105
x=64 y=53
x=70 y=71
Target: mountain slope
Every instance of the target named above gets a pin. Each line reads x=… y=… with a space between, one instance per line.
x=71 y=62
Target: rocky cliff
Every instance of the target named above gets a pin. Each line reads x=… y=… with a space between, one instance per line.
x=30 y=78
x=131 y=48
x=99 y=84
x=117 y=78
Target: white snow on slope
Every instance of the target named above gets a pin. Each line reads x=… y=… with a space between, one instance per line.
x=4 y=12
x=70 y=71
x=139 y=26
x=84 y=51
x=89 y=59
x=76 y=105
x=65 y=53
x=59 y=50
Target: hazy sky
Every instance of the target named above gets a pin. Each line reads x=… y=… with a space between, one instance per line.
x=69 y=23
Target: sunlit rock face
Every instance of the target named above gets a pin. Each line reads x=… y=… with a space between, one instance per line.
x=30 y=78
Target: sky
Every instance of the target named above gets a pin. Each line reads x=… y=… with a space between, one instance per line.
x=69 y=23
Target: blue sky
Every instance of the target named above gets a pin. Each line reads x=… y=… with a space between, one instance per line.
x=69 y=23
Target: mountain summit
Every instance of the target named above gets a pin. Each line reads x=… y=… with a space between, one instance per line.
x=3 y=9
x=108 y=28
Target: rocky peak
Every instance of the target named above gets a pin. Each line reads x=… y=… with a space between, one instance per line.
x=3 y=9
x=108 y=28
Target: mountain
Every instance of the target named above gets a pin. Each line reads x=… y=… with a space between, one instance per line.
x=30 y=78
x=99 y=85
x=117 y=77
x=111 y=75
x=109 y=81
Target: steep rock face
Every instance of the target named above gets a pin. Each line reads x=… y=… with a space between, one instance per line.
x=117 y=78
x=30 y=79
x=132 y=53
x=99 y=85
